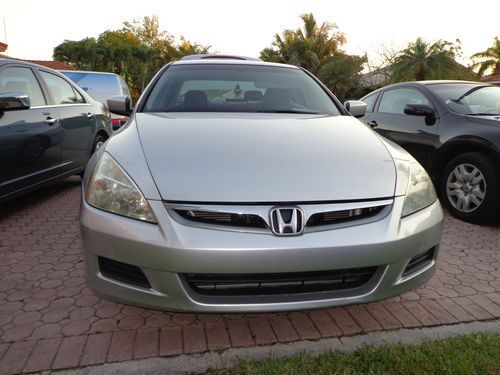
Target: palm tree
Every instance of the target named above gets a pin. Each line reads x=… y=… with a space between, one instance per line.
x=309 y=47
x=422 y=60
x=490 y=59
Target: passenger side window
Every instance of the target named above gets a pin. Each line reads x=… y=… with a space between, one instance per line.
x=23 y=81
x=394 y=101
x=370 y=101
x=61 y=91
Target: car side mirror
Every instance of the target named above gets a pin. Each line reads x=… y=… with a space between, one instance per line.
x=357 y=108
x=12 y=101
x=120 y=105
x=422 y=110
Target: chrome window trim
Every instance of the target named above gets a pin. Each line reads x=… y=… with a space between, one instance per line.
x=60 y=105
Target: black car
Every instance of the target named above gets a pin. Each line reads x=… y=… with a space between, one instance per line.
x=49 y=127
x=453 y=129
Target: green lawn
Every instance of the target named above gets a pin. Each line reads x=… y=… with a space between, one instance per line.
x=475 y=354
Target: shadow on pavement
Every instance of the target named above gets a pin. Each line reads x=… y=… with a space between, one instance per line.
x=39 y=196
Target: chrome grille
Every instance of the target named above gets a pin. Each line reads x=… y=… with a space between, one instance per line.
x=256 y=217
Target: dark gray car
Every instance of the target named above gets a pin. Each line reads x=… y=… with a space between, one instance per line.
x=453 y=129
x=49 y=127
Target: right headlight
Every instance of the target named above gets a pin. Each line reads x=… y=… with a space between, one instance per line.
x=420 y=192
x=111 y=189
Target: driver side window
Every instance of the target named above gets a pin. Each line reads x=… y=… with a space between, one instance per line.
x=22 y=81
x=394 y=101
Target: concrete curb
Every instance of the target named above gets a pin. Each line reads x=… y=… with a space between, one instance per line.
x=201 y=362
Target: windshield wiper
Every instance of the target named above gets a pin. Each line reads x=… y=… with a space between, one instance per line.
x=468 y=92
x=287 y=111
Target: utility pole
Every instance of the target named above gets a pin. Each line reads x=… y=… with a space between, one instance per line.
x=5 y=31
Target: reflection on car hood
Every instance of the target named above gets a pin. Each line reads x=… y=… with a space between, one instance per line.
x=235 y=157
x=488 y=120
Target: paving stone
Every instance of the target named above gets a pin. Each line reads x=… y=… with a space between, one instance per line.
x=146 y=343
x=363 y=318
x=16 y=356
x=325 y=324
x=282 y=328
x=43 y=354
x=261 y=331
x=217 y=335
x=304 y=326
x=193 y=337
x=122 y=346
x=344 y=321
x=171 y=341
x=239 y=333
x=96 y=349
x=69 y=353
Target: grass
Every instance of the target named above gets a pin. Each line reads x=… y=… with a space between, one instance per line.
x=475 y=354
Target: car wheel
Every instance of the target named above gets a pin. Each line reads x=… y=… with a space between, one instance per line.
x=470 y=188
x=98 y=142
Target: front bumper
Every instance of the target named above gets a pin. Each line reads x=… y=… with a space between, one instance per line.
x=167 y=250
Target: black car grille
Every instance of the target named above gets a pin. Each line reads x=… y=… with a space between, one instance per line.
x=278 y=283
x=123 y=272
x=259 y=222
x=336 y=217
x=223 y=218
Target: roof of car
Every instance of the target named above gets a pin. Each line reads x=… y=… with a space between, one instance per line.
x=86 y=72
x=227 y=59
x=434 y=82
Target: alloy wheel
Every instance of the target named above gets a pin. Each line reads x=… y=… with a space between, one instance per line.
x=466 y=187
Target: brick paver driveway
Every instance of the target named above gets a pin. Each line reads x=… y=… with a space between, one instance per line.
x=49 y=319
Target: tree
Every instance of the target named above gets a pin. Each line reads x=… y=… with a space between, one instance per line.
x=317 y=48
x=309 y=47
x=137 y=51
x=341 y=74
x=81 y=54
x=421 y=60
x=489 y=59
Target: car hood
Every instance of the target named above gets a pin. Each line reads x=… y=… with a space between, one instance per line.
x=200 y=157
x=487 y=120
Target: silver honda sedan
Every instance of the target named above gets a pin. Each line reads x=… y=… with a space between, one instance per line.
x=239 y=186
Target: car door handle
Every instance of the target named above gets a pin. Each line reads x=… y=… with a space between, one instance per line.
x=90 y=115
x=372 y=124
x=50 y=121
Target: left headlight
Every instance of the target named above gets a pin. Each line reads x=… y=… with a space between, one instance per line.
x=111 y=189
x=420 y=192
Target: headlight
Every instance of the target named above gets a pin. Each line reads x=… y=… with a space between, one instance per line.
x=420 y=192
x=110 y=189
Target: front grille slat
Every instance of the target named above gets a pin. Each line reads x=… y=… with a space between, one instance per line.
x=278 y=283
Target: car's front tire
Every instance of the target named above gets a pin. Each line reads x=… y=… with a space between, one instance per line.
x=470 y=188
x=98 y=142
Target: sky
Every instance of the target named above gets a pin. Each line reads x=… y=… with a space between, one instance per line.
x=34 y=28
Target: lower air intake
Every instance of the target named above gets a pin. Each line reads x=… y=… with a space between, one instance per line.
x=123 y=272
x=279 y=283
x=418 y=262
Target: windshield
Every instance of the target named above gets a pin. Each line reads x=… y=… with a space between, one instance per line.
x=238 y=88
x=100 y=86
x=469 y=98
